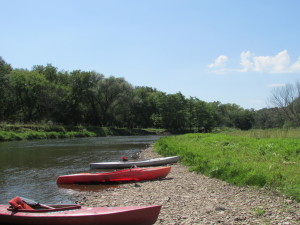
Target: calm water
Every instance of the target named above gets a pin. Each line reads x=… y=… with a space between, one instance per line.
x=30 y=168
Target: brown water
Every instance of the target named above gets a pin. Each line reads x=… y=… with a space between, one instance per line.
x=30 y=168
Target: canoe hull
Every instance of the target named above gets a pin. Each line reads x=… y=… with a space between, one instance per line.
x=129 y=215
x=142 y=163
x=134 y=174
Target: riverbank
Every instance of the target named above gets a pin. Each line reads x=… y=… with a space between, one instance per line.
x=16 y=132
x=190 y=198
x=270 y=163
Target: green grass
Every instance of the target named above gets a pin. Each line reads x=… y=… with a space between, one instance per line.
x=14 y=132
x=31 y=135
x=272 y=163
x=267 y=133
x=258 y=211
x=155 y=130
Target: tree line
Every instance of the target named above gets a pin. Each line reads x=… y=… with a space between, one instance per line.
x=45 y=94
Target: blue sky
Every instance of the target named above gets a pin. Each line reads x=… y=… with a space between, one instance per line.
x=232 y=51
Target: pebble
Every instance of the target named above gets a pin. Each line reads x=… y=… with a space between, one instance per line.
x=191 y=198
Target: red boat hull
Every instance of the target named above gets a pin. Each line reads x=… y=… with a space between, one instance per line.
x=134 y=174
x=129 y=215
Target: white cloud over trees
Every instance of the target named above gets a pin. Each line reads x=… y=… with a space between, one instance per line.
x=279 y=63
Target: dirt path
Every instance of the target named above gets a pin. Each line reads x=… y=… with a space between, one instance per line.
x=190 y=198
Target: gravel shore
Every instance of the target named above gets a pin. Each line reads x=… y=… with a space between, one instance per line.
x=190 y=198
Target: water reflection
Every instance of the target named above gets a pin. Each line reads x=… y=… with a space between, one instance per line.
x=72 y=188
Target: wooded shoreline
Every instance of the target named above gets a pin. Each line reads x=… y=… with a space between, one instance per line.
x=46 y=95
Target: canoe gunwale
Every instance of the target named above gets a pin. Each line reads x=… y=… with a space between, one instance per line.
x=57 y=208
x=125 y=215
x=140 y=163
x=125 y=175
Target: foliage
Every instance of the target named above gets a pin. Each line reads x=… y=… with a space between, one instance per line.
x=268 y=118
x=271 y=163
x=47 y=95
x=14 y=132
x=27 y=89
x=4 y=95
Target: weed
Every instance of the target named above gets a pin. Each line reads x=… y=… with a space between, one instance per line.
x=258 y=211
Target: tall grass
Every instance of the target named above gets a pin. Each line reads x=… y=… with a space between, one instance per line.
x=31 y=135
x=272 y=163
x=267 y=133
x=13 y=132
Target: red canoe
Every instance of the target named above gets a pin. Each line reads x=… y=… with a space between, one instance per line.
x=134 y=174
x=77 y=215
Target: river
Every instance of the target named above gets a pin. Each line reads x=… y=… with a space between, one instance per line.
x=30 y=168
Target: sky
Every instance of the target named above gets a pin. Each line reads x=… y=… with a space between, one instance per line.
x=231 y=51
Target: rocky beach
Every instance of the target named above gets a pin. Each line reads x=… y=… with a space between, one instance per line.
x=191 y=198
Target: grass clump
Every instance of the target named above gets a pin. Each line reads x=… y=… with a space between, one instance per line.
x=258 y=211
x=271 y=163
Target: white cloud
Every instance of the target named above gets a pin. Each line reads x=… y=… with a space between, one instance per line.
x=279 y=63
x=219 y=62
x=246 y=62
x=296 y=66
x=272 y=64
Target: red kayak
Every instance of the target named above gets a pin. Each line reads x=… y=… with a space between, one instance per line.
x=77 y=215
x=134 y=174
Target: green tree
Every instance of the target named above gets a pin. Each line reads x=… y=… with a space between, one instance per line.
x=158 y=100
x=49 y=71
x=200 y=115
x=172 y=112
x=80 y=97
x=225 y=114
x=110 y=94
x=80 y=101
x=268 y=118
x=28 y=89
x=232 y=115
x=5 y=69
x=244 y=119
x=144 y=107
x=204 y=116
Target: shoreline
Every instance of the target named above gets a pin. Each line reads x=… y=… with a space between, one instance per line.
x=191 y=198
x=18 y=132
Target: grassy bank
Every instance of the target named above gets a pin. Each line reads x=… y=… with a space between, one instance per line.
x=12 y=132
x=267 y=133
x=240 y=159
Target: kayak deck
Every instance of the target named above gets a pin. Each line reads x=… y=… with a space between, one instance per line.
x=141 y=163
x=127 y=215
x=134 y=174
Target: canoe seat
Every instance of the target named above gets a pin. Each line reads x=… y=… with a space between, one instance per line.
x=17 y=203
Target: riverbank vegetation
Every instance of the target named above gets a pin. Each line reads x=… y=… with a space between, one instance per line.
x=14 y=132
x=264 y=159
x=46 y=95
